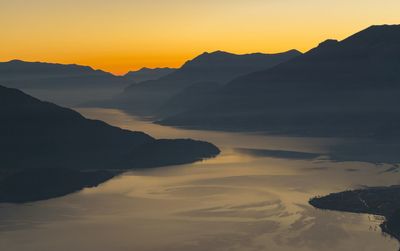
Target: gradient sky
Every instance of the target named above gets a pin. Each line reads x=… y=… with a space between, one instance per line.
x=122 y=35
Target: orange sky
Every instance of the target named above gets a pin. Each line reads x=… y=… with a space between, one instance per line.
x=122 y=35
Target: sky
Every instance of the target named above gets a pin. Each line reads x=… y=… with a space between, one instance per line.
x=122 y=35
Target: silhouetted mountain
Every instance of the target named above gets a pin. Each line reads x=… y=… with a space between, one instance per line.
x=146 y=74
x=63 y=84
x=36 y=135
x=148 y=97
x=222 y=66
x=41 y=134
x=346 y=88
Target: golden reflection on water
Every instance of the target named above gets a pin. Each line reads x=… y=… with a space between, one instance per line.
x=233 y=202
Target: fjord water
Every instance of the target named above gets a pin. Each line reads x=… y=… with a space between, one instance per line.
x=241 y=200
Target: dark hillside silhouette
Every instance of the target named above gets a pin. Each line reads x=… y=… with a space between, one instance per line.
x=346 y=88
x=30 y=185
x=41 y=134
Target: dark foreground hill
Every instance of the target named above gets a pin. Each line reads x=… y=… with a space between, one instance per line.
x=60 y=83
x=41 y=134
x=28 y=185
x=36 y=134
x=211 y=69
x=346 y=88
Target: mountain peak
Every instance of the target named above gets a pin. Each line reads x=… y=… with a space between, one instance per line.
x=219 y=52
x=384 y=27
x=153 y=69
x=376 y=34
x=328 y=43
x=223 y=54
x=15 y=61
x=223 y=60
x=292 y=51
x=213 y=54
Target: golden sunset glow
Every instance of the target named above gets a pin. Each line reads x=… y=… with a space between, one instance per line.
x=122 y=35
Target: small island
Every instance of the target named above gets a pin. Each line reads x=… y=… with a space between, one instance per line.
x=384 y=201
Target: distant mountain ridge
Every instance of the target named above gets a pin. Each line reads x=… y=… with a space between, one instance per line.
x=148 y=97
x=20 y=70
x=17 y=66
x=146 y=74
x=346 y=88
x=60 y=83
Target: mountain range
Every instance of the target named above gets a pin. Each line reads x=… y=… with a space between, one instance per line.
x=63 y=84
x=204 y=73
x=340 y=88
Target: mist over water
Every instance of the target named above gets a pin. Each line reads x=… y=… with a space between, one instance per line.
x=241 y=200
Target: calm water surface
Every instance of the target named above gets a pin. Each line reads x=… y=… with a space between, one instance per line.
x=233 y=202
